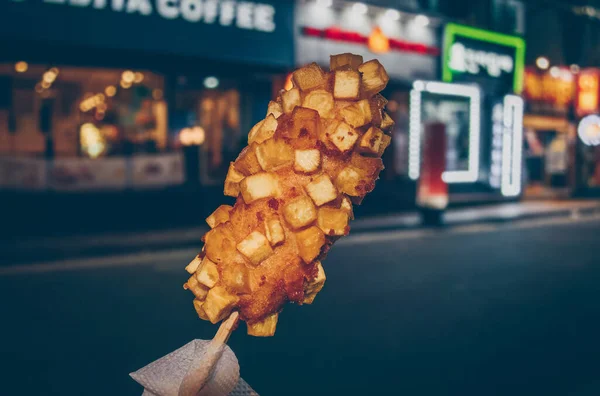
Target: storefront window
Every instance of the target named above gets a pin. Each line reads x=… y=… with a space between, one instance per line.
x=206 y=123
x=81 y=112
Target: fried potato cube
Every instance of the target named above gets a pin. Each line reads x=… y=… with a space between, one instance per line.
x=313 y=287
x=274 y=231
x=220 y=244
x=236 y=278
x=232 y=181
x=346 y=59
x=263 y=328
x=310 y=242
x=333 y=221
x=305 y=123
x=273 y=154
x=208 y=274
x=199 y=310
x=308 y=77
x=290 y=99
x=219 y=303
x=300 y=212
x=199 y=290
x=346 y=85
x=193 y=265
x=370 y=142
x=274 y=108
x=321 y=101
x=346 y=205
x=387 y=123
x=328 y=128
x=247 y=163
x=220 y=215
x=265 y=131
x=347 y=180
x=344 y=137
x=379 y=100
x=321 y=190
x=260 y=185
x=368 y=167
x=357 y=114
x=255 y=247
x=374 y=77
x=307 y=161
x=254 y=131
x=385 y=142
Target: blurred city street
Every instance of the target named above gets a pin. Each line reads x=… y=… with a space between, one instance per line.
x=481 y=308
x=223 y=146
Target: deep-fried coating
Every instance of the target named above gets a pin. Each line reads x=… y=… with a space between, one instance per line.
x=317 y=152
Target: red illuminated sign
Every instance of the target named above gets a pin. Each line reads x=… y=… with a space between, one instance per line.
x=337 y=34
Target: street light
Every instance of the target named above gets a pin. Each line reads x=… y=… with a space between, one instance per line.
x=360 y=8
x=393 y=15
x=542 y=62
x=421 y=20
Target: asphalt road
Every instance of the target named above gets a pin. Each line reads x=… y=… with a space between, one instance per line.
x=476 y=310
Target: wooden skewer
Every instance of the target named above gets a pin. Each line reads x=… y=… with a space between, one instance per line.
x=200 y=371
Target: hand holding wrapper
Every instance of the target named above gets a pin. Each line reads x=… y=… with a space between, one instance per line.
x=200 y=367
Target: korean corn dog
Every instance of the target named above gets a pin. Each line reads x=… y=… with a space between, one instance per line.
x=317 y=152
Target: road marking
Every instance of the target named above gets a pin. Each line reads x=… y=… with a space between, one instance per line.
x=182 y=256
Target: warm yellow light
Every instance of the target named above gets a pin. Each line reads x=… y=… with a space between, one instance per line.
x=125 y=84
x=21 y=67
x=128 y=76
x=46 y=84
x=92 y=141
x=49 y=77
x=100 y=97
x=157 y=94
x=110 y=91
x=138 y=77
x=192 y=136
x=54 y=70
x=378 y=42
x=101 y=107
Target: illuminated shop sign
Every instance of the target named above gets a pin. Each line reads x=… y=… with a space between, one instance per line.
x=377 y=42
x=408 y=45
x=258 y=32
x=494 y=60
x=549 y=91
x=457 y=106
x=588 y=86
x=243 y=14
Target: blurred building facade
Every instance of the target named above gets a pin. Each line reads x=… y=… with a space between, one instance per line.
x=137 y=94
x=117 y=95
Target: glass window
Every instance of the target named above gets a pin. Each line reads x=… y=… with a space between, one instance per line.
x=87 y=112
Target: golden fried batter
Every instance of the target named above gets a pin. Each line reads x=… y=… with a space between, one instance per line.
x=317 y=152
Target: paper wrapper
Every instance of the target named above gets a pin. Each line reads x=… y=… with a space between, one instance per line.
x=163 y=377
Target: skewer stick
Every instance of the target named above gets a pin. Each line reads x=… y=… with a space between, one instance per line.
x=201 y=370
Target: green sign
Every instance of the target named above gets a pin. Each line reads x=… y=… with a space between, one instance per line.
x=496 y=61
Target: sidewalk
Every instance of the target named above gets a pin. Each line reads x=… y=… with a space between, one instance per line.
x=61 y=247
